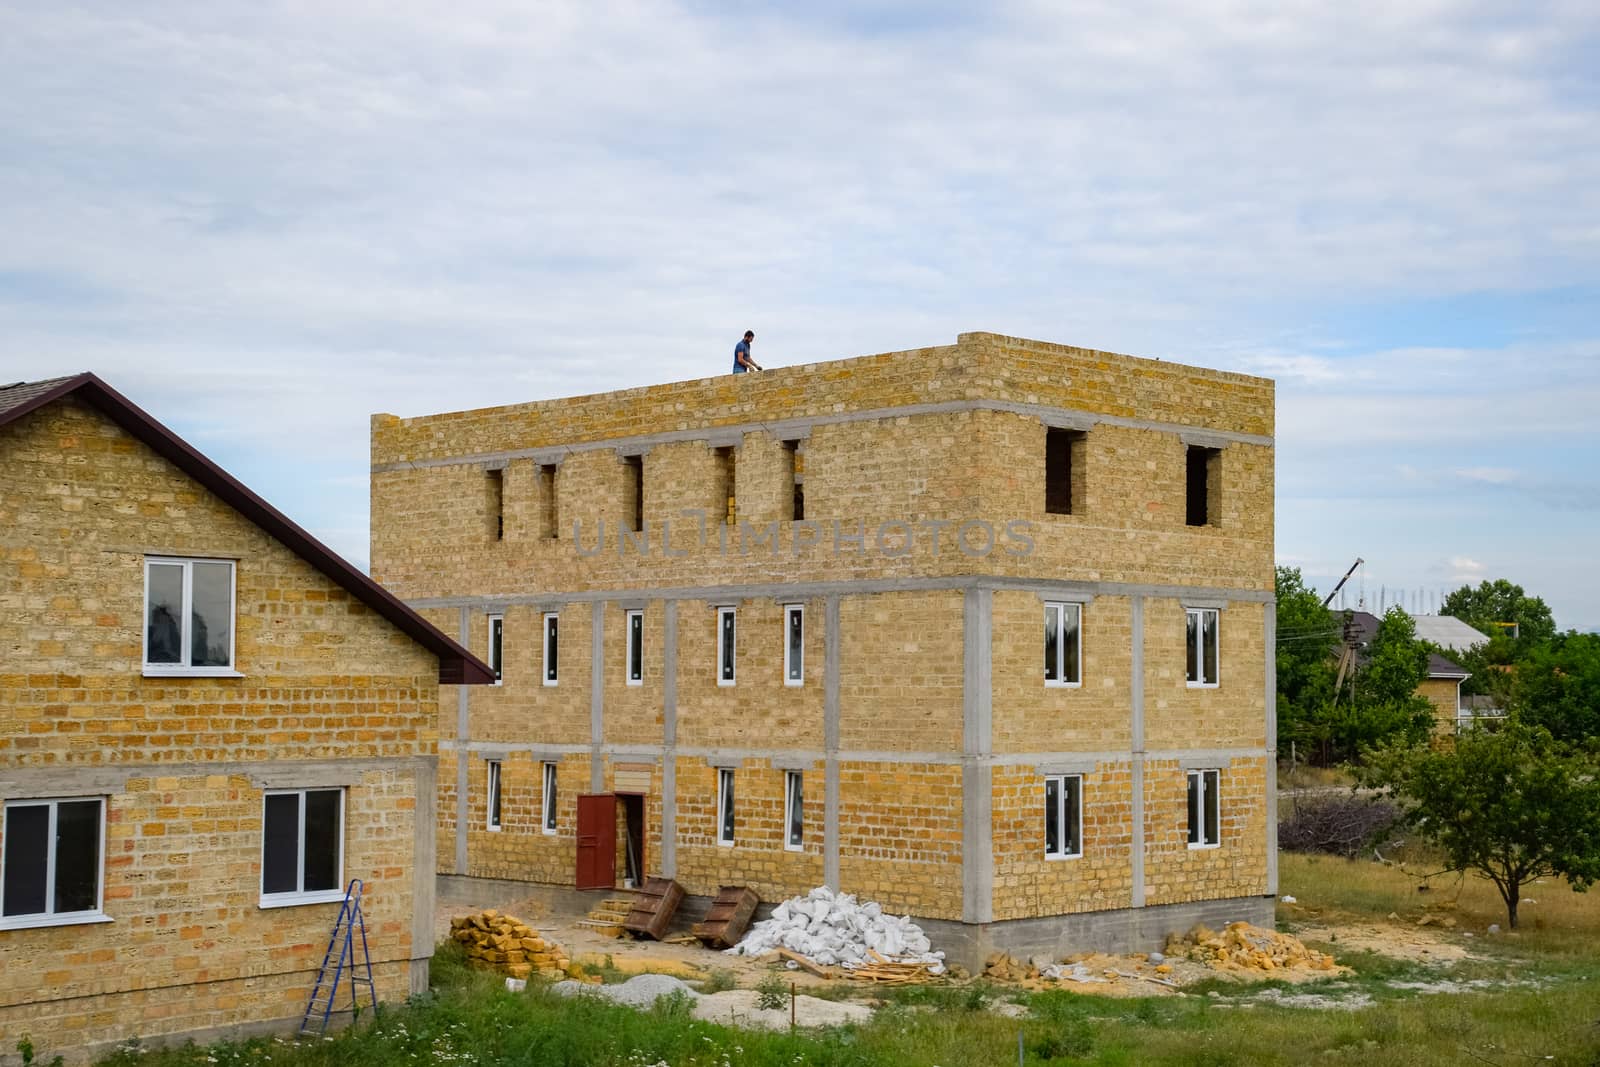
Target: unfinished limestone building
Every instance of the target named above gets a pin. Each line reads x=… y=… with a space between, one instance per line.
x=982 y=632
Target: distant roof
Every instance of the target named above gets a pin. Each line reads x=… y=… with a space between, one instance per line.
x=457 y=666
x=1365 y=625
x=1447 y=631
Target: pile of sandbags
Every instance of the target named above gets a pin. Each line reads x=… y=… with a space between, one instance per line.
x=506 y=944
x=1243 y=947
x=834 y=929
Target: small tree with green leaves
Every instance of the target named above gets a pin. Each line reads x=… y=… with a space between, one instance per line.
x=1511 y=803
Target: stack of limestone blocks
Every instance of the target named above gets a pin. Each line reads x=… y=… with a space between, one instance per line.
x=1243 y=948
x=506 y=944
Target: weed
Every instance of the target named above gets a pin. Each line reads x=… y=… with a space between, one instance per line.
x=720 y=980
x=772 y=993
x=1072 y=1041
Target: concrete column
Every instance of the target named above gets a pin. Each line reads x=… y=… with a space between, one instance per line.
x=463 y=733
x=669 y=740
x=1270 y=615
x=1136 y=702
x=597 y=696
x=424 y=876
x=977 y=770
x=830 y=744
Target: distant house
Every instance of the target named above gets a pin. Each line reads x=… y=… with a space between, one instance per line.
x=1442 y=686
x=209 y=724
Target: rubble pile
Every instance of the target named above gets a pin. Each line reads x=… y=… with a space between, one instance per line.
x=506 y=944
x=834 y=929
x=1242 y=947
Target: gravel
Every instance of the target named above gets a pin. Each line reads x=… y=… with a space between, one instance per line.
x=640 y=991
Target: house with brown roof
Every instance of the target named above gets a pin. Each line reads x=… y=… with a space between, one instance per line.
x=1442 y=683
x=210 y=724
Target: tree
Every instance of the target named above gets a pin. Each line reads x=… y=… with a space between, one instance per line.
x=1557 y=685
x=1511 y=803
x=1308 y=636
x=1501 y=601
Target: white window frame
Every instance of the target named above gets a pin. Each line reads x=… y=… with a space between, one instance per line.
x=185 y=623
x=1200 y=647
x=732 y=654
x=1055 y=616
x=547 y=663
x=497 y=662
x=726 y=796
x=789 y=658
x=299 y=897
x=792 y=779
x=632 y=645
x=1061 y=852
x=493 y=820
x=547 y=798
x=49 y=917
x=1215 y=791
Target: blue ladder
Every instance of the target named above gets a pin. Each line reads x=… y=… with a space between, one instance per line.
x=320 y=1006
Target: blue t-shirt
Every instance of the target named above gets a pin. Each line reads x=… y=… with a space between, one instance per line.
x=742 y=346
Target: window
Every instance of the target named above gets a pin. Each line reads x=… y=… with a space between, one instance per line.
x=547 y=501
x=794 y=810
x=1204 y=486
x=1204 y=831
x=1201 y=642
x=635 y=648
x=794 y=464
x=188 y=613
x=52 y=862
x=794 y=644
x=552 y=648
x=724 y=806
x=549 y=814
x=494 y=504
x=723 y=505
x=1063 y=648
x=725 y=646
x=302 y=847
x=494 y=794
x=496 y=636
x=1063 y=816
x=633 y=496
x=1064 y=452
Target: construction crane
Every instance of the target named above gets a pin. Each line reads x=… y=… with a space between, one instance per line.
x=1359 y=561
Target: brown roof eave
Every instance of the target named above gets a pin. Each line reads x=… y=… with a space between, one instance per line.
x=457 y=666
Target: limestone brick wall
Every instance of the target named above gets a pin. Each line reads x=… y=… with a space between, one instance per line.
x=900 y=835
x=633 y=712
x=757 y=857
x=1026 y=883
x=759 y=711
x=325 y=688
x=1232 y=714
x=900 y=672
x=1445 y=696
x=503 y=713
x=1175 y=872
x=520 y=850
x=1030 y=716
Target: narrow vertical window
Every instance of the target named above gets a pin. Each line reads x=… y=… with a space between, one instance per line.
x=794 y=644
x=548 y=800
x=794 y=468
x=494 y=794
x=547 y=501
x=725 y=806
x=725 y=646
x=1063 y=647
x=494 y=504
x=1203 y=486
x=1064 y=452
x=552 y=648
x=1201 y=639
x=635 y=647
x=496 y=645
x=794 y=801
x=724 y=505
x=633 y=497
x=50 y=866
x=1204 y=809
x=1063 y=816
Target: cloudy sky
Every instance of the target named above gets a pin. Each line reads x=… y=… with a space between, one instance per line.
x=265 y=221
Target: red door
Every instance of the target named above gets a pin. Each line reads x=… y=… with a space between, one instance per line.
x=597 y=841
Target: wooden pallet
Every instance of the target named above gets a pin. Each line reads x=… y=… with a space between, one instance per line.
x=653 y=907
x=728 y=917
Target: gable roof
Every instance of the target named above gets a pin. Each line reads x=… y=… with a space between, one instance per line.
x=1364 y=627
x=457 y=666
x=1447 y=631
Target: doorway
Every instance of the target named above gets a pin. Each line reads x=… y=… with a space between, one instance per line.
x=631 y=826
